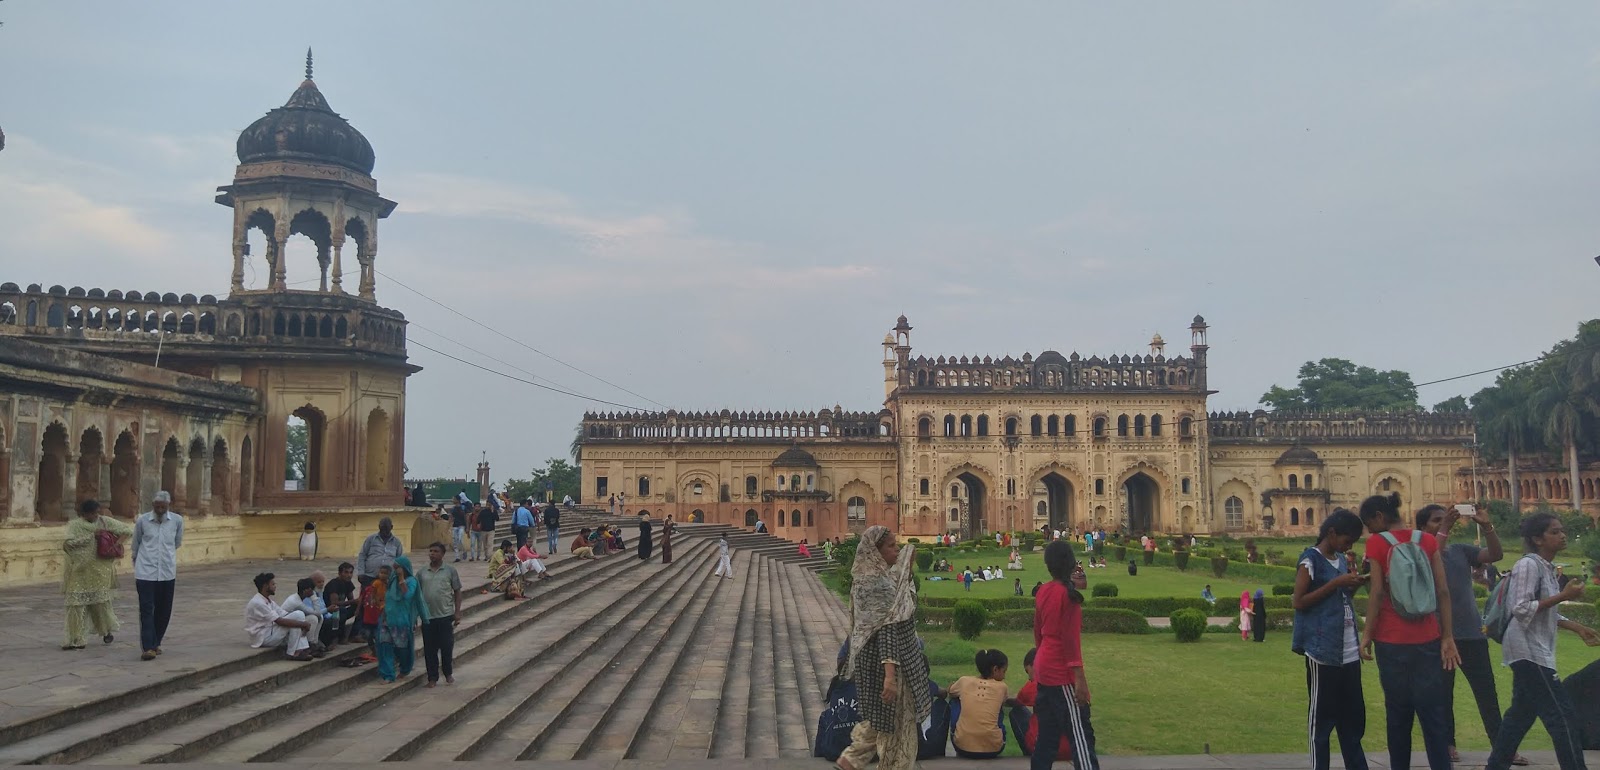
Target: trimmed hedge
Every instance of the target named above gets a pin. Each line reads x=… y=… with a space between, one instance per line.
x=1188 y=625
x=969 y=618
x=1283 y=590
x=996 y=603
x=1153 y=607
x=1113 y=621
x=1096 y=620
x=1105 y=589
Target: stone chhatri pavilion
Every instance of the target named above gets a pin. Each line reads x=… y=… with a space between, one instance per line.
x=972 y=445
x=117 y=394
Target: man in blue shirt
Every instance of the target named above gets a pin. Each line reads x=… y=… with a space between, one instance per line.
x=522 y=522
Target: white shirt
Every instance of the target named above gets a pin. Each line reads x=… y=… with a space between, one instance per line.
x=155 y=546
x=259 y=615
x=295 y=603
x=1531 y=635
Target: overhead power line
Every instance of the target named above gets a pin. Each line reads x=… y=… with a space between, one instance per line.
x=553 y=389
x=516 y=341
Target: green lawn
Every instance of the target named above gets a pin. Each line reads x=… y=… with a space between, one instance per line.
x=1155 y=696
x=1151 y=581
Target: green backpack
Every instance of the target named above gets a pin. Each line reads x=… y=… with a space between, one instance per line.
x=1410 y=577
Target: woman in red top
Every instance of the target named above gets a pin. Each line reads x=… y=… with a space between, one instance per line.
x=1413 y=654
x=1058 y=668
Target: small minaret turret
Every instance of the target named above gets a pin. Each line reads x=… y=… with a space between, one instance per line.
x=889 y=362
x=1198 y=346
x=902 y=338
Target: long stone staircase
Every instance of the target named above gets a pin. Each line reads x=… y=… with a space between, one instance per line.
x=612 y=659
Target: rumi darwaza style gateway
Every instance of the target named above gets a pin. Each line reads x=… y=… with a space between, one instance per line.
x=973 y=445
x=114 y=395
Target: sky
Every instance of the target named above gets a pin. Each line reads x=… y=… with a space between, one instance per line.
x=711 y=205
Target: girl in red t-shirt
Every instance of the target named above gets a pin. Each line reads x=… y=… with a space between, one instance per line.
x=1058 y=668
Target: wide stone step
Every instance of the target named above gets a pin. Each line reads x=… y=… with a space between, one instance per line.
x=680 y=720
x=627 y=683
x=536 y=717
x=729 y=729
x=249 y=730
x=562 y=654
x=761 y=734
x=176 y=701
x=790 y=668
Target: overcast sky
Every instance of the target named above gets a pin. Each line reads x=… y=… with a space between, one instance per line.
x=727 y=204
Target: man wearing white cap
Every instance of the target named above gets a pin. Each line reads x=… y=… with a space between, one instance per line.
x=157 y=533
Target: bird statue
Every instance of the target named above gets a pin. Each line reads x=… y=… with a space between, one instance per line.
x=308 y=542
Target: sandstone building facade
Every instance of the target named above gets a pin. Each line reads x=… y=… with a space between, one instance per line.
x=117 y=394
x=972 y=445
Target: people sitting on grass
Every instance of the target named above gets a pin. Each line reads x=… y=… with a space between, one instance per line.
x=1016 y=588
x=1206 y=594
x=977 y=729
x=268 y=625
x=528 y=562
x=1016 y=560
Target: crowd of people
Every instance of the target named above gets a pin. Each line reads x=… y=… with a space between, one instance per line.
x=1423 y=625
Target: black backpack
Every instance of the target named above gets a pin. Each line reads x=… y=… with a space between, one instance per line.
x=552 y=517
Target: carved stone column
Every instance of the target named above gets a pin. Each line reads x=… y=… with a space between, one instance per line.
x=204 y=494
x=280 y=236
x=69 y=485
x=180 y=485
x=368 y=255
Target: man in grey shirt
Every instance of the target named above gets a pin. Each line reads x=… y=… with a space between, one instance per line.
x=1460 y=560
x=379 y=550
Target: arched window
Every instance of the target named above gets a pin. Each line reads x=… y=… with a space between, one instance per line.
x=749 y=486
x=857 y=508
x=1099 y=427
x=966 y=425
x=1011 y=426
x=1069 y=425
x=751 y=517
x=783 y=482
x=1155 y=424
x=925 y=427
x=1185 y=426
x=949 y=425
x=810 y=521
x=1294 y=517
x=1308 y=481
x=955 y=490
x=1122 y=425
x=794 y=483
x=1310 y=519
x=1233 y=513
x=955 y=514
x=1099 y=486
x=1036 y=425
x=1011 y=486
x=811 y=483
x=1185 y=485
x=794 y=518
x=644 y=486
x=1138 y=425
x=1041 y=509
x=1294 y=481
x=983 y=425
x=1052 y=425
x=924 y=486
x=698 y=489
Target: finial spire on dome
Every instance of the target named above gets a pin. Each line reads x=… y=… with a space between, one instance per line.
x=308 y=62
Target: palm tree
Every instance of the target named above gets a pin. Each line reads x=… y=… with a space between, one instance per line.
x=1560 y=419
x=1505 y=424
x=576 y=448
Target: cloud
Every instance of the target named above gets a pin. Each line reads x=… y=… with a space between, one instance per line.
x=44 y=214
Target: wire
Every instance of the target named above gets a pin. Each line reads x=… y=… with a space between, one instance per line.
x=503 y=362
x=531 y=382
x=519 y=342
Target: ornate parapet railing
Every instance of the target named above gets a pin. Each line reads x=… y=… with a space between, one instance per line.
x=111 y=320
x=728 y=426
x=1333 y=427
x=1053 y=372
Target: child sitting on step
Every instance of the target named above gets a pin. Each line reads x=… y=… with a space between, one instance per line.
x=977 y=730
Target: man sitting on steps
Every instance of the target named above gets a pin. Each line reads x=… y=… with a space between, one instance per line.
x=270 y=626
x=580 y=545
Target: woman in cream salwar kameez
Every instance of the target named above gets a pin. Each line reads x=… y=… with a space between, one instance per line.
x=89 y=581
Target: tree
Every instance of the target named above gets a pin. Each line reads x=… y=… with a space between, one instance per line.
x=576 y=448
x=1452 y=404
x=557 y=478
x=1504 y=426
x=294 y=468
x=1335 y=385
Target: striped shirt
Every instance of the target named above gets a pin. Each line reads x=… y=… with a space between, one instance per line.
x=1531 y=635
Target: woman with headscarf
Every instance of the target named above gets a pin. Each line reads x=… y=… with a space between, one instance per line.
x=1244 y=616
x=402 y=611
x=886 y=660
x=646 y=543
x=88 y=580
x=1258 y=608
x=666 y=539
x=502 y=567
